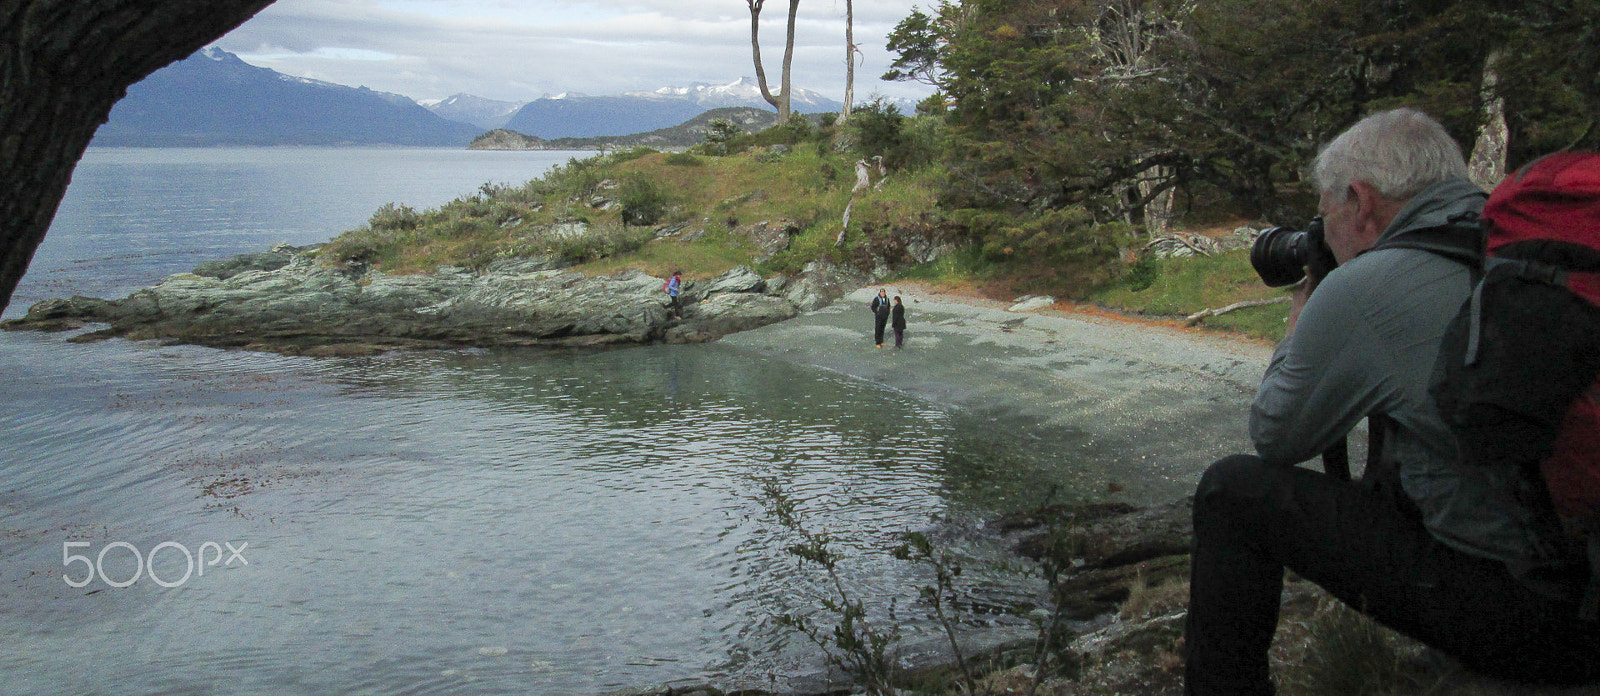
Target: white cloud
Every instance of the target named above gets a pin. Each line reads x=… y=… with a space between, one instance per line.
x=520 y=50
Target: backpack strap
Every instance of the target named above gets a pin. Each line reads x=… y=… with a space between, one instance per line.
x=1475 y=329
x=1589 y=608
x=1587 y=531
x=1382 y=475
x=1462 y=238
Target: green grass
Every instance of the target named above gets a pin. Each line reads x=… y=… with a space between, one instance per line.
x=698 y=261
x=1185 y=286
x=965 y=267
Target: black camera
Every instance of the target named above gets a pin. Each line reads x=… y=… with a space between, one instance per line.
x=1281 y=255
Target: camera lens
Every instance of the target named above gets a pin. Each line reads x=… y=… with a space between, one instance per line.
x=1279 y=256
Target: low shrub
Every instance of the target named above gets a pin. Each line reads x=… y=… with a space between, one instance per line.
x=643 y=201
x=395 y=217
x=600 y=242
x=1142 y=274
x=631 y=153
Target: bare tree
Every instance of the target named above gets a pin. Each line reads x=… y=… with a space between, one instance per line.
x=64 y=64
x=1123 y=38
x=1123 y=35
x=850 y=53
x=781 y=100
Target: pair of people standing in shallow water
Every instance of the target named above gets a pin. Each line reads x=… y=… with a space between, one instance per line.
x=888 y=313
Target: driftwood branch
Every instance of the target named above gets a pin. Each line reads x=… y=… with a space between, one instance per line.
x=1195 y=318
x=1182 y=241
x=845 y=226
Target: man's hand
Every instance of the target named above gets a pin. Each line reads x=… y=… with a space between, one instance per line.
x=1297 y=301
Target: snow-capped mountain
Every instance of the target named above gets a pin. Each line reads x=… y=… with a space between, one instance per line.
x=487 y=114
x=744 y=92
x=214 y=98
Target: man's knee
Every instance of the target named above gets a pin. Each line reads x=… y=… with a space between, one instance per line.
x=1241 y=475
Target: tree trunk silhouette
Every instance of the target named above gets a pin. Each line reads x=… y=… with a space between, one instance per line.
x=63 y=65
x=779 y=101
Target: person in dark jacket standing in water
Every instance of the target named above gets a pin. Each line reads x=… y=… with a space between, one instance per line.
x=1422 y=544
x=880 y=315
x=897 y=319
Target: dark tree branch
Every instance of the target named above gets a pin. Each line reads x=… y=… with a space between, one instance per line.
x=63 y=65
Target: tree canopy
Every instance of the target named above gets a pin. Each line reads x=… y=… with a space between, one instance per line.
x=1066 y=117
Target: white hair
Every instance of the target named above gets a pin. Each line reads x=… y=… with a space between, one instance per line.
x=1399 y=153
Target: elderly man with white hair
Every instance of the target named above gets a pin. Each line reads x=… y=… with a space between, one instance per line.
x=1422 y=544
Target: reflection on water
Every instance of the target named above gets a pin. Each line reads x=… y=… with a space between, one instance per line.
x=509 y=521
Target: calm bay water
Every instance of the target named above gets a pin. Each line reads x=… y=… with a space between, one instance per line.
x=464 y=522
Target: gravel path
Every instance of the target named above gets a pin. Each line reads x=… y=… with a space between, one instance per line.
x=1129 y=408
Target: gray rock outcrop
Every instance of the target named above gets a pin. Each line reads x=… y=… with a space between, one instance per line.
x=821 y=283
x=769 y=237
x=261 y=261
x=306 y=306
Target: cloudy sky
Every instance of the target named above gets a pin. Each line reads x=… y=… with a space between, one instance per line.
x=519 y=50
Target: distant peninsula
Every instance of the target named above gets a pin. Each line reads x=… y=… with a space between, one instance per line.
x=684 y=135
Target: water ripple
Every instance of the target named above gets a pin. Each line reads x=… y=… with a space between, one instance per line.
x=476 y=521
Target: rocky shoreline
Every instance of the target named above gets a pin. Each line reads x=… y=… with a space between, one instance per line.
x=288 y=301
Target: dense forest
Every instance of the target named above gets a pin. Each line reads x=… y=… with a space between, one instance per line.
x=1067 y=125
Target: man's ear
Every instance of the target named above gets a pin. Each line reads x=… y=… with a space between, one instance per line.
x=1372 y=212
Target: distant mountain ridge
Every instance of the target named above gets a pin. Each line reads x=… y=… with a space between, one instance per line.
x=214 y=98
x=478 y=111
x=582 y=116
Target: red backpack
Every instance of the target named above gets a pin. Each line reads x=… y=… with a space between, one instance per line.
x=1516 y=377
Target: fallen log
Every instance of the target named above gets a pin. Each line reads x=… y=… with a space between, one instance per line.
x=1195 y=318
x=1108 y=549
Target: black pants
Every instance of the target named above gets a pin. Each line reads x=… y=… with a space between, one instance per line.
x=878 y=324
x=1252 y=520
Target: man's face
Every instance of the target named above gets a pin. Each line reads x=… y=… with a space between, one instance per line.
x=1340 y=218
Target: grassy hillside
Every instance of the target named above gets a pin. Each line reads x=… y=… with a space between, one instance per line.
x=649 y=210
x=699 y=212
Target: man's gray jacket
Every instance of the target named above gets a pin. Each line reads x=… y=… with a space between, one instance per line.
x=1365 y=344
